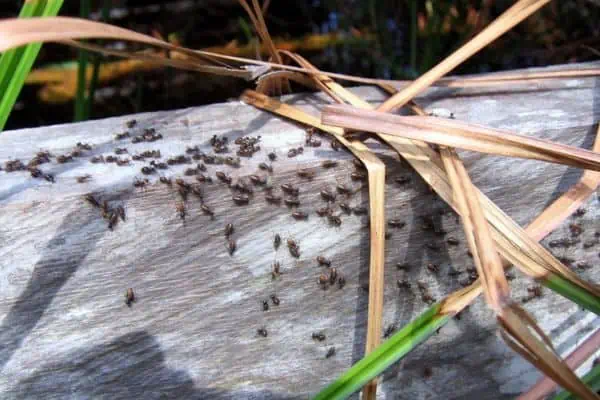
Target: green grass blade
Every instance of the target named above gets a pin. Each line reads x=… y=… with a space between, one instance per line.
x=10 y=58
x=418 y=331
x=80 y=97
x=26 y=57
x=96 y=65
x=592 y=379
x=246 y=29
x=573 y=293
x=385 y=355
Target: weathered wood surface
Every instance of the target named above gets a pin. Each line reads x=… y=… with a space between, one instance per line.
x=192 y=333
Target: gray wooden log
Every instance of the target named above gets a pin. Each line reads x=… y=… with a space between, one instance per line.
x=192 y=331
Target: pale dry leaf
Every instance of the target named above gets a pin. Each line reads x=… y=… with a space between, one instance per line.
x=487 y=261
x=514 y=243
x=376 y=179
x=376 y=272
x=546 y=385
x=539 y=350
x=18 y=32
x=522 y=334
x=459 y=134
x=511 y=17
x=455 y=302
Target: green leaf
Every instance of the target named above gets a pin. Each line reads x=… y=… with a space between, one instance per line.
x=573 y=293
x=81 y=109
x=10 y=58
x=16 y=64
x=386 y=354
x=418 y=331
x=96 y=64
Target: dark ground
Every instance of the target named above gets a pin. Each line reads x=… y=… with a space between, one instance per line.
x=562 y=32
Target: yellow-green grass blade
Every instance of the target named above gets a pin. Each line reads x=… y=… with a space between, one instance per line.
x=21 y=63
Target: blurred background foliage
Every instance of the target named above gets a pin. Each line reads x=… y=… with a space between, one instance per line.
x=393 y=39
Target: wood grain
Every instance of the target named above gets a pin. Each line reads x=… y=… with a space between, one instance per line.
x=192 y=332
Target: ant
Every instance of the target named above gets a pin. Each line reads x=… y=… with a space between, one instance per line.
x=323 y=261
x=129 y=297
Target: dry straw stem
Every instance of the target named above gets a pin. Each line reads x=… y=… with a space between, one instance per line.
x=513 y=242
x=546 y=385
x=562 y=207
x=256 y=16
x=570 y=201
x=505 y=78
x=495 y=287
x=264 y=80
x=18 y=32
x=376 y=176
x=337 y=93
x=538 y=351
x=541 y=226
x=459 y=134
x=511 y=17
x=487 y=261
x=454 y=302
x=157 y=59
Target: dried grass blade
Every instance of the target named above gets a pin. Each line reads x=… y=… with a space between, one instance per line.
x=514 y=243
x=265 y=80
x=519 y=336
x=515 y=77
x=554 y=277
x=185 y=64
x=511 y=17
x=17 y=32
x=376 y=178
x=451 y=305
x=545 y=385
x=516 y=322
x=570 y=201
x=255 y=13
x=491 y=80
x=459 y=134
x=338 y=93
x=533 y=259
x=455 y=82
x=477 y=233
x=62 y=28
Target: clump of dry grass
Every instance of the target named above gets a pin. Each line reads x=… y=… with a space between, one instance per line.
x=496 y=241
